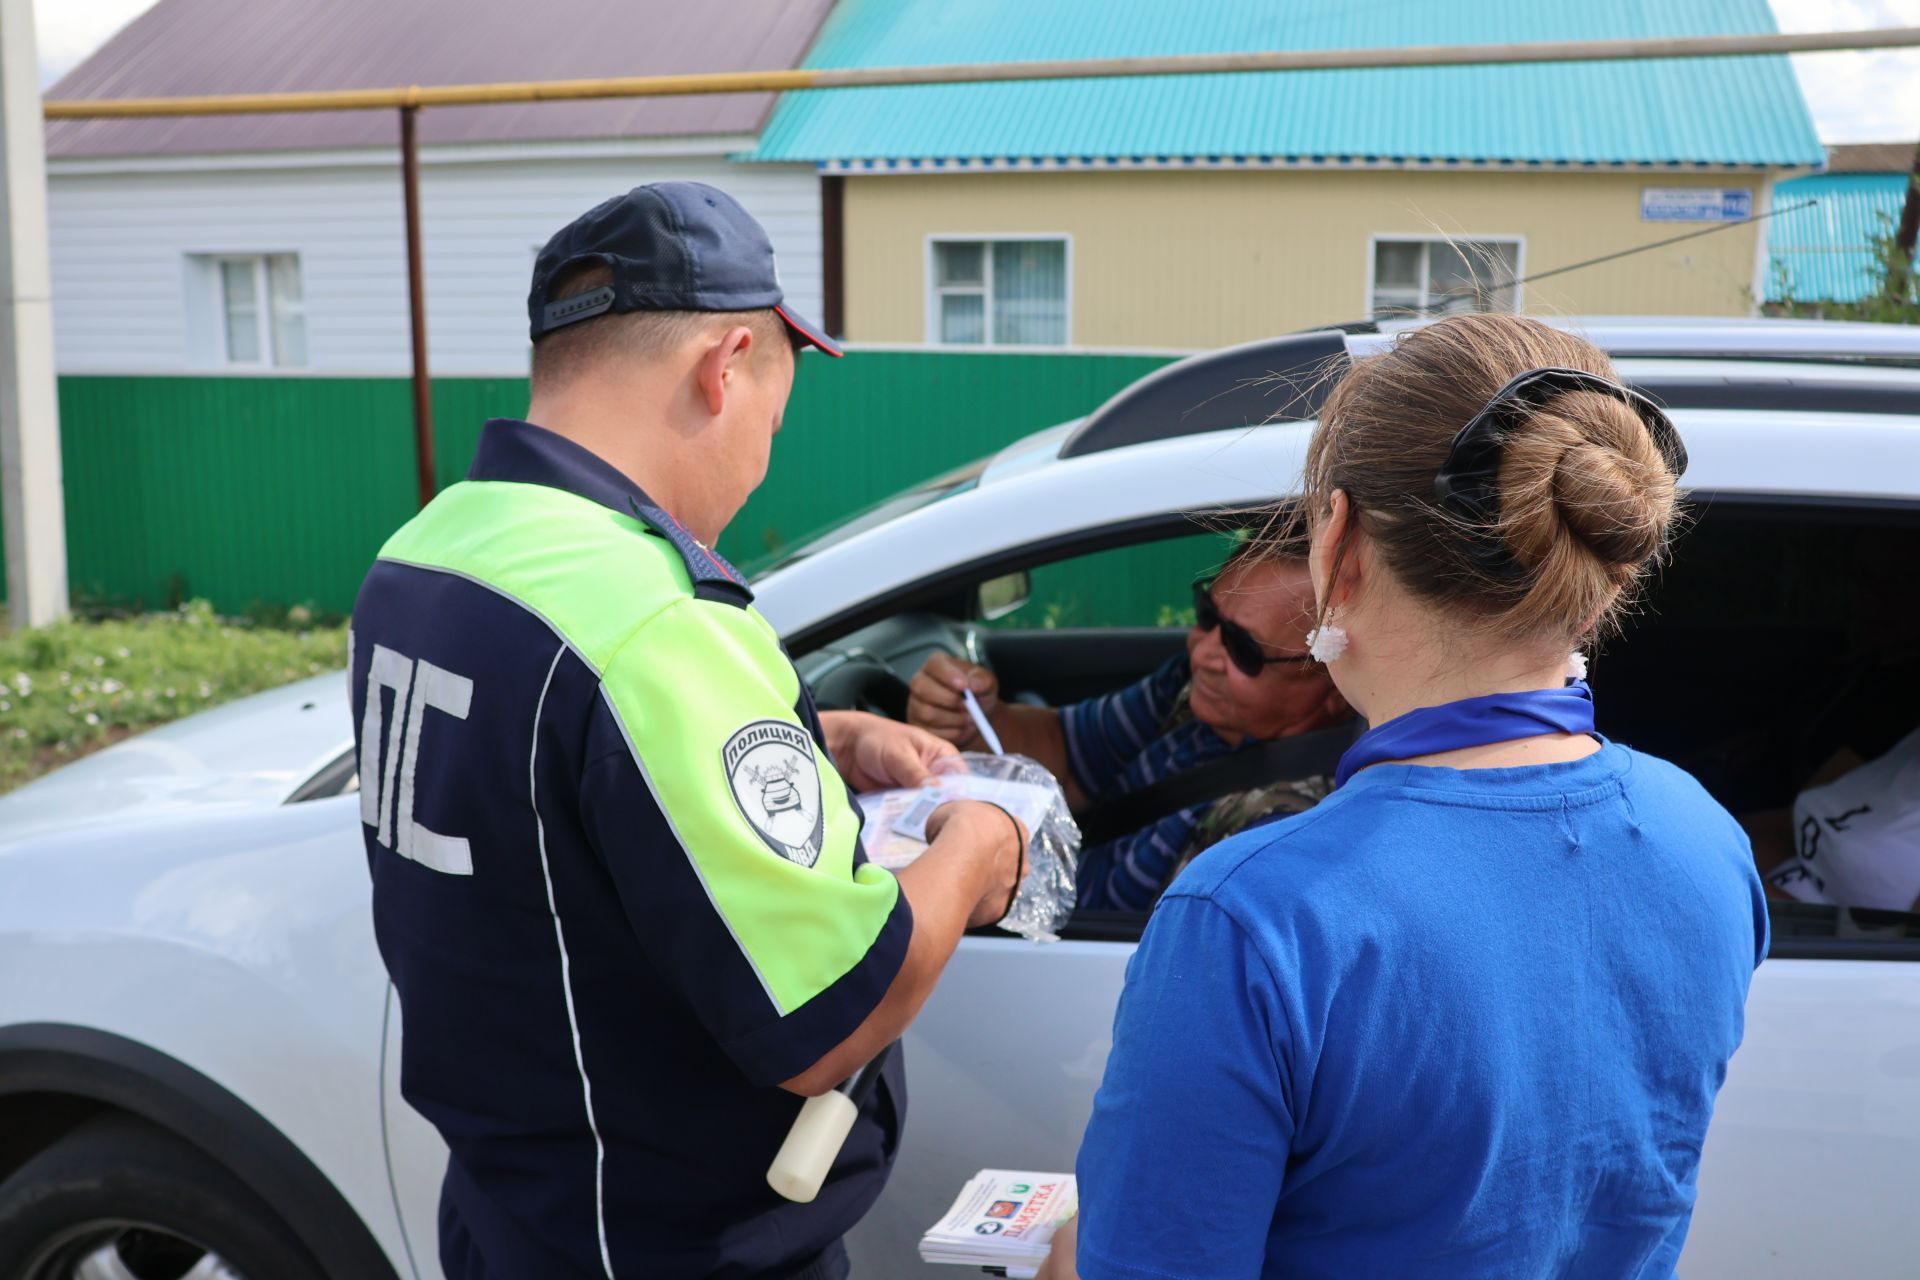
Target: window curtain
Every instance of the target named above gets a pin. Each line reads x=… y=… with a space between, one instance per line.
x=1030 y=292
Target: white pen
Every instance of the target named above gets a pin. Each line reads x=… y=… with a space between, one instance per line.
x=981 y=723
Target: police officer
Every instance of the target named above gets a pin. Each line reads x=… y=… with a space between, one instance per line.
x=616 y=873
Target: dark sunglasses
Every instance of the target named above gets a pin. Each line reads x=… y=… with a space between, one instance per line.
x=1247 y=653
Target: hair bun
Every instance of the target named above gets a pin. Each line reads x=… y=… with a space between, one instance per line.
x=1585 y=500
x=1608 y=501
x=1585 y=471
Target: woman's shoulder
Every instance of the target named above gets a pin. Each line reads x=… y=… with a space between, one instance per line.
x=1656 y=780
x=1320 y=842
x=1392 y=810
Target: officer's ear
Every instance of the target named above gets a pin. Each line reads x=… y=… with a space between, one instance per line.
x=724 y=359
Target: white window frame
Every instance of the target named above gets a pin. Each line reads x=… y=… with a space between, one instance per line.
x=1375 y=240
x=263 y=309
x=933 y=289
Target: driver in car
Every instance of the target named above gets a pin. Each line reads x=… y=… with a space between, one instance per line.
x=1245 y=679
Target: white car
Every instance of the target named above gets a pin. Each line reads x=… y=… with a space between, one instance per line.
x=199 y=1048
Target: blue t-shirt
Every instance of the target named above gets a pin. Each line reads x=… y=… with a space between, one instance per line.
x=1448 y=1023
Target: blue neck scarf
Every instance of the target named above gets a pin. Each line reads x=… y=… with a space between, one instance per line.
x=1471 y=722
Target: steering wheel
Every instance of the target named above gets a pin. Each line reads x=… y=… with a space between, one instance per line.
x=862 y=683
x=862 y=672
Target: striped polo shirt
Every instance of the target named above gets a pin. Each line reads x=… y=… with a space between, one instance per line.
x=1119 y=743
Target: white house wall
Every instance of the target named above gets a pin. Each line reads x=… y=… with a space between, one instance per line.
x=123 y=243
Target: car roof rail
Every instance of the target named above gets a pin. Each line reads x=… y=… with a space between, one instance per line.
x=1757 y=338
x=1271 y=380
x=1288 y=378
x=1796 y=390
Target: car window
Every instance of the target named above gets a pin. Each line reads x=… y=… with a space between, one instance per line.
x=1779 y=634
x=1778 y=658
x=1777 y=639
x=337 y=777
x=1147 y=585
x=946 y=485
x=1810 y=931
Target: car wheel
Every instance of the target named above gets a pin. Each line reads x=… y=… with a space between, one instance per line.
x=118 y=1199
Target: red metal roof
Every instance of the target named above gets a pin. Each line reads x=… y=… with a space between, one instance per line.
x=259 y=46
x=1871 y=157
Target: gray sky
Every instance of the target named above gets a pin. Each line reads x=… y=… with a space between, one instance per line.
x=1855 y=97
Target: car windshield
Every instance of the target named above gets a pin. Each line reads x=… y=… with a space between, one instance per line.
x=926 y=493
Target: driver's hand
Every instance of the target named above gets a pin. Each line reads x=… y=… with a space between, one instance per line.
x=874 y=753
x=934 y=702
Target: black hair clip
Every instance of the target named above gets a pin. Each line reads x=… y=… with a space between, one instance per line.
x=1467 y=486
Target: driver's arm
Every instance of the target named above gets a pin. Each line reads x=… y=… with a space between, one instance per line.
x=1036 y=732
x=935 y=702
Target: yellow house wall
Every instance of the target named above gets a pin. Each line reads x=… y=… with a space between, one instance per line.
x=1203 y=258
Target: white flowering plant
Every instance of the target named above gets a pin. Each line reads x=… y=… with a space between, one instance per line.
x=79 y=685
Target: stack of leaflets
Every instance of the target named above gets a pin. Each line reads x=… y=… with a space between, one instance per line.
x=1004 y=1220
x=896 y=821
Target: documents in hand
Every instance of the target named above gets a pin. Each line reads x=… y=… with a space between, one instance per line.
x=1003 y=1219
x=896 y=821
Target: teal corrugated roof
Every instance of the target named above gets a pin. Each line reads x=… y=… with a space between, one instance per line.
x=1725 y=111
x=1825 y=253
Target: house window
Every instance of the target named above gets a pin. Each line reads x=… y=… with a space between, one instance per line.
x=263 y=319
x=1420 y=276
x=998 y=292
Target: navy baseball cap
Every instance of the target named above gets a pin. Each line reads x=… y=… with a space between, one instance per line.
x=671 y=246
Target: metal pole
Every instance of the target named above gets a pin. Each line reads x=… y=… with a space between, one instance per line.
x=35 y=507
x=417 y=306
x=1445 y=55
x=833 y=262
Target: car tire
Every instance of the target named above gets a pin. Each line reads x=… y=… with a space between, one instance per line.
x=119 y=1190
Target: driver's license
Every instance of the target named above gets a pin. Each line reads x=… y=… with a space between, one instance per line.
x=913 y=823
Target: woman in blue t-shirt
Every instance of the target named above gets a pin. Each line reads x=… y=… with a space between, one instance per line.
x=1467 y=1018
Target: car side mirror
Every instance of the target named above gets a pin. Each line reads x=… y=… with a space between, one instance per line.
x=1000 y=596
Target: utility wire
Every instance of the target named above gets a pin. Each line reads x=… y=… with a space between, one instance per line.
x=1491 y=289
x=1661 y=244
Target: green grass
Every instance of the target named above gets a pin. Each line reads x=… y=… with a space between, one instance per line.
x=80 y=685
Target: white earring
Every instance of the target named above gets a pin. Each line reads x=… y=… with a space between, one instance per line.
x=1577 y=665
x=1326 y=642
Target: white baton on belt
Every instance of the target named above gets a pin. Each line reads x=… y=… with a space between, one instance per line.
x=819 y=1131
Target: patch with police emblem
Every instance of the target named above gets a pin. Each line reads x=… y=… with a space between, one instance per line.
x=776 y=782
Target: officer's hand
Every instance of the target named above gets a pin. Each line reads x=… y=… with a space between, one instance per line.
x=934 y=702
x=997 y=843
x=874 y=753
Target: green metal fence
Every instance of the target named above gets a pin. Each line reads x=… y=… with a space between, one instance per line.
x=276 y=491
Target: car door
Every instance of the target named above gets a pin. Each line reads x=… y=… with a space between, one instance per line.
x=1782 y=630
x=416 y=1155
x=1002 y=1064
x=1004 y=1059
x=1808 y=1168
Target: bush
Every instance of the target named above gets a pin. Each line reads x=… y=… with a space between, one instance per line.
x=77 y=686
x=1893 y=297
